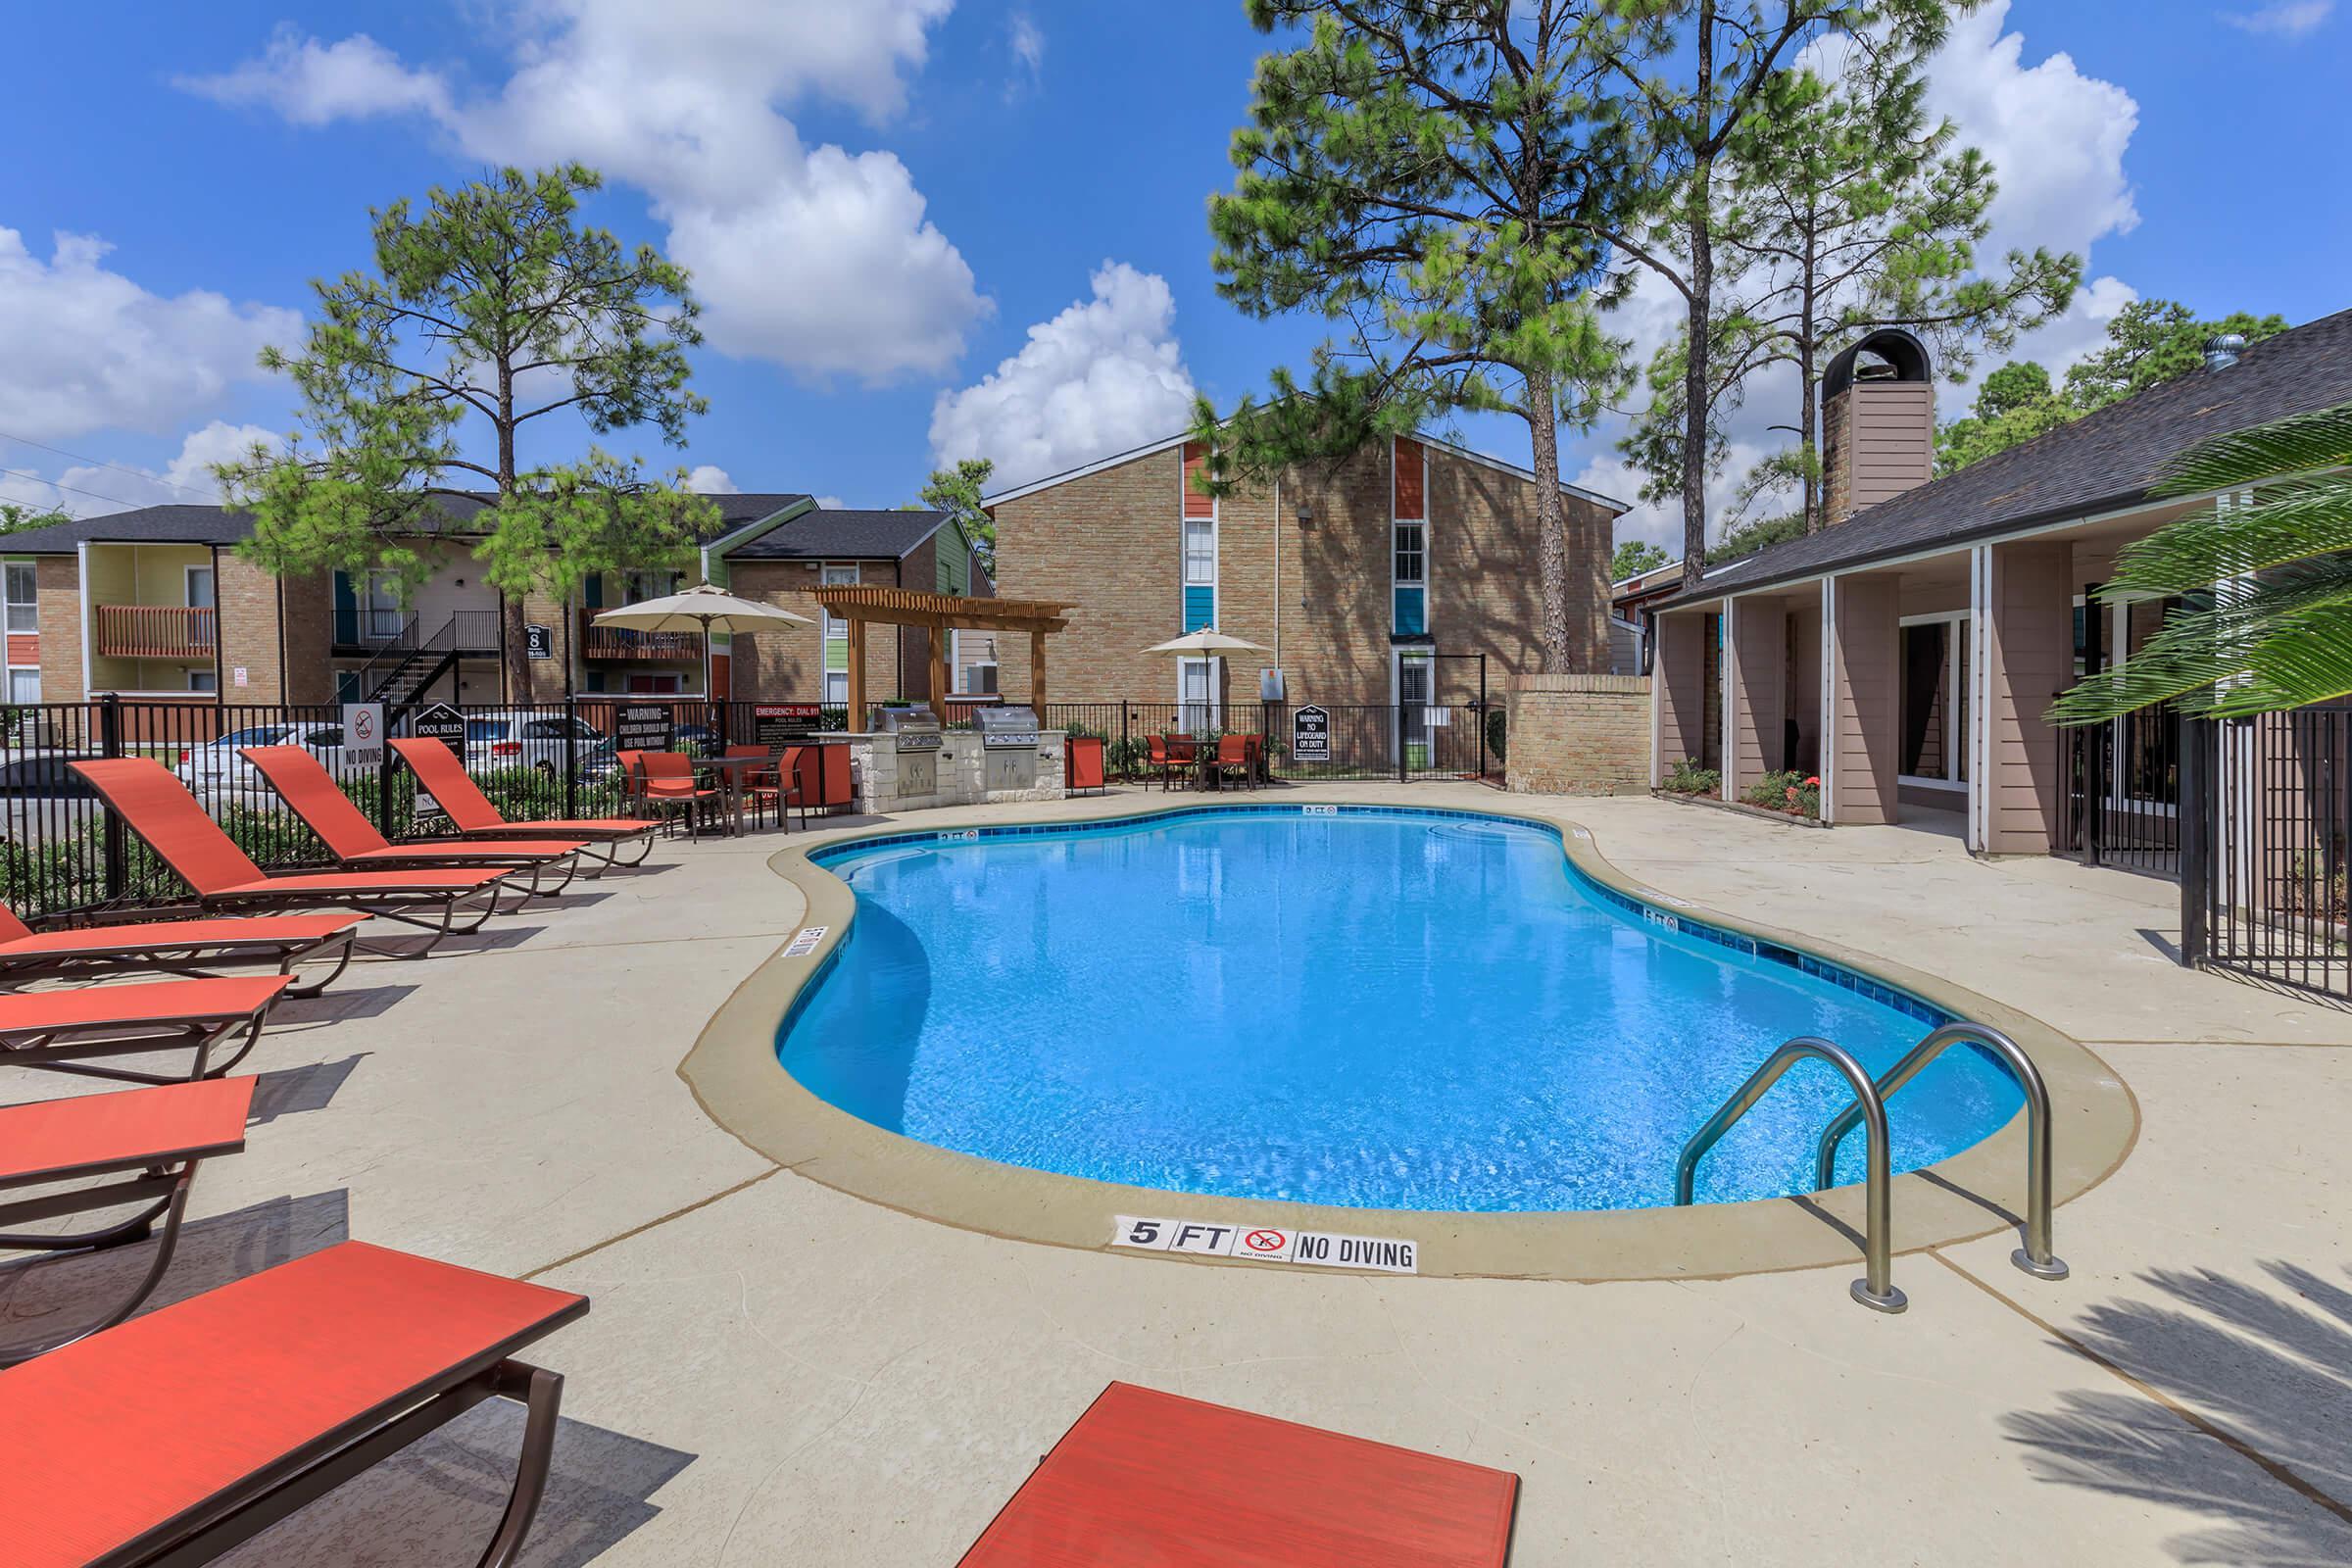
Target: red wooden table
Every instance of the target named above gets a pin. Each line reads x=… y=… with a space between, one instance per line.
x=1151 y=1480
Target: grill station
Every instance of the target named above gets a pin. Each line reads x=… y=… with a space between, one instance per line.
x=1007 y=747
x=914 y=729
x=1007 y=726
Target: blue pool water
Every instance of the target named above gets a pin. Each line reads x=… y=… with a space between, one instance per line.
x=1380 y=1009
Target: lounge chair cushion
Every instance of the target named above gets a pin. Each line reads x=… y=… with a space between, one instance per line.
x=90 y=1135
x=115 y=1439
x=596 y=826
x=463 y=854
x=263 y=930
x=329 y=885
x=157 y=1002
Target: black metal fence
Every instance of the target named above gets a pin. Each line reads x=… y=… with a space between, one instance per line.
x=2266 y=809
x=1360 y=741
x=2121 y=783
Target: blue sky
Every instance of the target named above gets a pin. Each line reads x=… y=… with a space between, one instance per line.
x=929 y=227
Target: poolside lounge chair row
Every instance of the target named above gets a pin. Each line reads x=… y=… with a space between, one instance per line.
x=250 y=1400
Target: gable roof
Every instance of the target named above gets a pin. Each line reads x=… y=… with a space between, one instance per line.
x=181 y=524
x=832 y=533
x=1016 y=492
x=2103 y=461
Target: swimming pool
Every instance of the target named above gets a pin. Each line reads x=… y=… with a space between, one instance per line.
x=1356 y=1006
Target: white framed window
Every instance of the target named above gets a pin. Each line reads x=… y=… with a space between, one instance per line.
x=1200 y=694
x=1200 y=552
x=975 y=657
x=381 y=606
x=636 y=587
x=198 y=587
x=203 y=680
x=25 y=686
x=23 y=598
x=837 y=574
x=1932 y=659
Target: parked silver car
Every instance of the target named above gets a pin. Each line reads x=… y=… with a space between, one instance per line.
x=522 y=738
x=217 y=770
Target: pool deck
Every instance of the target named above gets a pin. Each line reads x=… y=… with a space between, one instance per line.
x=776 y=1372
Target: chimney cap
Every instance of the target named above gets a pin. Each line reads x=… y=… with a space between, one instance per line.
x=1905 y=356
x=2222 y=351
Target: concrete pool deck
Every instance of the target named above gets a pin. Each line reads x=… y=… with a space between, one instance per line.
x=775 y=1372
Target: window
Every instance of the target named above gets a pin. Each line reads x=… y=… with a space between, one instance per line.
x=24 y=602
x=1933 y=701
x=1410 y=564
x=200 y=587
x=486 y=729
x=382 y=607
x=331 y=736
x=258 y=735
x=1197 y=691
x=24 y=685
x=203 y=680
x=1200 y=552
x=639 y=586
x=837 y=633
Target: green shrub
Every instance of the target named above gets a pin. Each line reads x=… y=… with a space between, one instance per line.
x=1497 y=733
x=1793 y=793
x=1687 y=777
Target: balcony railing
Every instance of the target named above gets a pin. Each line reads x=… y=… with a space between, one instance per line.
x=617 y=642
x=155 y=631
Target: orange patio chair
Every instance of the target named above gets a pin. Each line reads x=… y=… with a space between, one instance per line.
x=158 y=810
x=667 y=782
x=177 y=1435
x=445 y=778
x=177 y=946
x=313 y=795
x=766 y=787
x=62 y=1030
x=151 y=1139
x=1232 y=757
x=1164 y=760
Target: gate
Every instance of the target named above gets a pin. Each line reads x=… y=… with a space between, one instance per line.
x=2266 y=806
x=2122 y=782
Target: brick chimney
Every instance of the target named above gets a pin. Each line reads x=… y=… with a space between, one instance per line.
x=1877 y=423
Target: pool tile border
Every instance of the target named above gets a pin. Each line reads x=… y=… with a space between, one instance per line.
x=733 y=1074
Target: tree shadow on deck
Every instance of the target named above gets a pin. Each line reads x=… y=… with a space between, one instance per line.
x=2265 y=1368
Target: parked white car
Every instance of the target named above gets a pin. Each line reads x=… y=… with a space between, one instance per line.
x=217 y=770
x=523 y=738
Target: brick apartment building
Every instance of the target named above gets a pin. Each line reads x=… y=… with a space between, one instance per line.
x=157 y=604
x=1356 y=579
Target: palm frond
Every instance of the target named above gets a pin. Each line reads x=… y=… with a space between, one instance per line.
x=2307 y=659
x=2301 y=443
x=2289 y=523
x=2204 y=652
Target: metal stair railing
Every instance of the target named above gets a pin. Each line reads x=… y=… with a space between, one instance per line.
x=1875 y=1289
x=2036 y=1257
x=387 y=661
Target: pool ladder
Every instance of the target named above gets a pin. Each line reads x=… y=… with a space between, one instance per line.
x=1877 y=1289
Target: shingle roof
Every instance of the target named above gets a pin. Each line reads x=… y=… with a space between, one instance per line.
x=218 y=525
x=833 y=534
x=2099 y=463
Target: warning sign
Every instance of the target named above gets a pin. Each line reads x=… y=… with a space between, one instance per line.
x=805 y=942
x=1266 y=1244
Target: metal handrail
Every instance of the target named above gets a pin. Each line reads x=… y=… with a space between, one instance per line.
x=2036 y=1257
x=1875 y=1289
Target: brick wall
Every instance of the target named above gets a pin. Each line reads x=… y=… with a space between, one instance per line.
x=307 y=611
x=1316 y=596
x=57 y=583
x=787 y=664
x=247 y=597
x=1579 y=735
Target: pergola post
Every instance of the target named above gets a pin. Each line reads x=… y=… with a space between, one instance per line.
x=857 y=675
x=938 y=671
x=1037 y=673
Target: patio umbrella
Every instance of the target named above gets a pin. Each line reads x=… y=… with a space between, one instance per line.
x=1207 y=641
x=705 y=608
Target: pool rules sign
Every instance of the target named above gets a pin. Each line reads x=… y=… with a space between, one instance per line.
x=1266 y=1244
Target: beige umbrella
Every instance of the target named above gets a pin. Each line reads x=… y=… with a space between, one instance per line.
x=1207 y=641
x=705 y=608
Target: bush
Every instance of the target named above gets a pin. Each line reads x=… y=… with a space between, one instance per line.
x=1498 y=731
x=1792 y=793
x=1687 y=777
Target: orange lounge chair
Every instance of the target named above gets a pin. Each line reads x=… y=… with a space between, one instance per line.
x=60 y=1029
x=177 y=946
x=152 y=1138
x=157 y=808
x=314 y=796
x=177 y=1435
x=470 y=811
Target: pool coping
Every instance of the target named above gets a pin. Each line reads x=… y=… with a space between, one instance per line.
x=734 y=1075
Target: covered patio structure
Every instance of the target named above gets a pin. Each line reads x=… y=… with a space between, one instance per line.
x=861 y=605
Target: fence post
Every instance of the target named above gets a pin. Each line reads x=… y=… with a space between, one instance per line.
x=109 y=744
x=2094 y=739
x=1397 y=732
x=2197 y=838
x=1126 y=748
x=571 y=755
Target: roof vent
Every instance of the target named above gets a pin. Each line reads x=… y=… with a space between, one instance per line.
x=2221 y=352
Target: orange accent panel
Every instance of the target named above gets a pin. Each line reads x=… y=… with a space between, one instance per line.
x=95 y=1133
x=446 y=780
x=159 y=809
x=1196 y=505
x=307 y=787
x=1411 y=500
x=23 y=648
x=1154 y=1478
x=113 y=1436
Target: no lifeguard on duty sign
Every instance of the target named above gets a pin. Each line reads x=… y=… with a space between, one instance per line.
x=1266 y=1244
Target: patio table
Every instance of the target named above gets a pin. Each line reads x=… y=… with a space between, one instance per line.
x=729 y=771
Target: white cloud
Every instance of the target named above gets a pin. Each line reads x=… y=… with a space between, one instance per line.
x=2287 y=18
x=831 y=503
x=710 y=479
x=311 y=83
x=1028 y=45
x=1104 y=374
x=86 y=349
x=92 y=489
x=816 y=257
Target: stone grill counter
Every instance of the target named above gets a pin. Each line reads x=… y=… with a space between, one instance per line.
x=913 y=766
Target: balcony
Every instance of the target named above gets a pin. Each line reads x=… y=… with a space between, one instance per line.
x=638 y=647
x=155 y=631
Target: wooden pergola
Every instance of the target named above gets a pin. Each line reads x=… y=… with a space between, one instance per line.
x=861 y=605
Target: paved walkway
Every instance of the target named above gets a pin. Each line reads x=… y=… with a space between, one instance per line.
x=775 y=1373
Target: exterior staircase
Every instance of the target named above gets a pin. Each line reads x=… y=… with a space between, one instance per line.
x=408 y=665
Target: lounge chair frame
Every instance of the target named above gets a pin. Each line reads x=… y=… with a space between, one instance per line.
x=162 y=1189
x=604 y=840
x=188 y=959
x=65 y=1049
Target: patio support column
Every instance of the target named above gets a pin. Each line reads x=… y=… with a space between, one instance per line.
x=1861 y=751
x=1037 y=673
x=940 y=684
x=2026 y=605
x=1754 y=694
x=1677 y=691
x=857 y=657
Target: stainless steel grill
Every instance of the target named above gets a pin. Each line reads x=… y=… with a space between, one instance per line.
x=1001 y=726
x=914 y=729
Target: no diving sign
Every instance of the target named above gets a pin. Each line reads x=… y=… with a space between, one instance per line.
x=1266 y=1244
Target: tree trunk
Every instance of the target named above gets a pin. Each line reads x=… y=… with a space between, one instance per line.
x=1564 y=647
x=1809 y=413
x=515 y=661
x=1699 y=225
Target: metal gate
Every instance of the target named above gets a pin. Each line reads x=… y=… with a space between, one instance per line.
x=2122 y=782
x=2266 y=806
